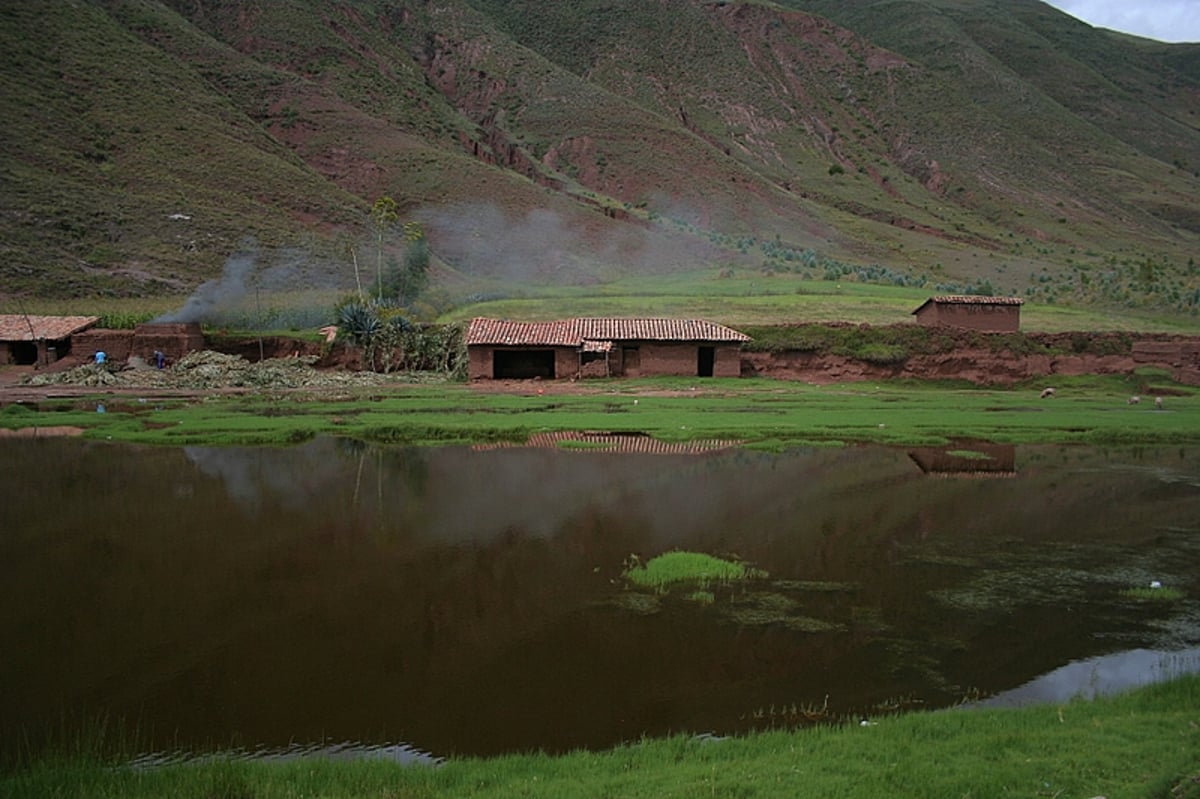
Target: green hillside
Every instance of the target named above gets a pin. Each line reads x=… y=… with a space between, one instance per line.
x=954 y=143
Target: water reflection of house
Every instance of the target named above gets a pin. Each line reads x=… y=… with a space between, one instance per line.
x=595 y=347
x=971 y=460
x=996 y=314
x=39 y=339
x=622 y=443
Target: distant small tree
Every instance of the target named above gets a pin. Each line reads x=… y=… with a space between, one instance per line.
x=415 y=272
x=383 y=216
x=407 y=280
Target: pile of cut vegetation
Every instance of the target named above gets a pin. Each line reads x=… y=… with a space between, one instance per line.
x=206 y=369
x=86 y=375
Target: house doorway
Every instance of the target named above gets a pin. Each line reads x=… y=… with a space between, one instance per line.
x=706 y=360
x=631 y=361
x=22 y=353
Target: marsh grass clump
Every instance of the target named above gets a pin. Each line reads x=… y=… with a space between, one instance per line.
x=1152 y=594
x=672 y=568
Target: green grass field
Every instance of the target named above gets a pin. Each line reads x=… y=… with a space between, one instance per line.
x=750 y=298
x=759 y=413
x=745 y=298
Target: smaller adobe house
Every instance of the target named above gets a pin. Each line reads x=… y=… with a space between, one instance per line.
x=174 y=340
x=990 y=314
x=593 y=347
x=27 y=340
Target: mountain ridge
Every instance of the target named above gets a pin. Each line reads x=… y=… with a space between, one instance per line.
x=965 y=141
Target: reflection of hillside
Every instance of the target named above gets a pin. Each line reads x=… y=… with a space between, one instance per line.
x=470 y=594
x=971 y=460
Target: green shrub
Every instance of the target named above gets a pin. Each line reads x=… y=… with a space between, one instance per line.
x=124 y=320
x=882 y=354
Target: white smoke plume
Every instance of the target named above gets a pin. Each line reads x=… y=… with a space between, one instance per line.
x=213 y=295
x=544 y=245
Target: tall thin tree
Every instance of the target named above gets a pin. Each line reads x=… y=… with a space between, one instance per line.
x=383 y=216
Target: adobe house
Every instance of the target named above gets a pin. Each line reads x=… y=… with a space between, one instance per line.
x=26 y=339
x=597 y=347
x=990 y=314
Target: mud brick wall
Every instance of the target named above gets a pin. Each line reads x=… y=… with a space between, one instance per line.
x=172 y=340
x=1182 y=357
x=682 y=360
x=994 y=318
x=1158 y=352
x=728 y=362
x=116 y=344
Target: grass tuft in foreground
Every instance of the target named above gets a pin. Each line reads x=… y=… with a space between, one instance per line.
x=1153 y=594
x=1140 y=744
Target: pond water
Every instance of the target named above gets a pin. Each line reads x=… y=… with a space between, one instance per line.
x=354 y=600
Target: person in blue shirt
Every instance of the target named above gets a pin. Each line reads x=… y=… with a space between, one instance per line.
x=101 y=357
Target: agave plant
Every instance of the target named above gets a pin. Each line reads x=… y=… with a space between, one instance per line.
x=360 y=321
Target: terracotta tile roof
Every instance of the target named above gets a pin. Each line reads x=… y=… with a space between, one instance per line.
x=574 y=332
x=502 y=331
x=16 y=327
x=966 y=299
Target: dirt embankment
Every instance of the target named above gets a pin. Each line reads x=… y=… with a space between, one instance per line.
x=976 y=366
x=280 y=362
x=1058 y=354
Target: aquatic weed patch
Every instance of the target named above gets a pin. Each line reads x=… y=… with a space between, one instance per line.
x=986 y=578
x=762 y=609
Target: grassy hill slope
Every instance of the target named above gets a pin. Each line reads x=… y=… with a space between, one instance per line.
x=144 y=142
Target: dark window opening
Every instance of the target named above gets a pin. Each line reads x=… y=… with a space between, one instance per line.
x=708 y=357
x=522 y=364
